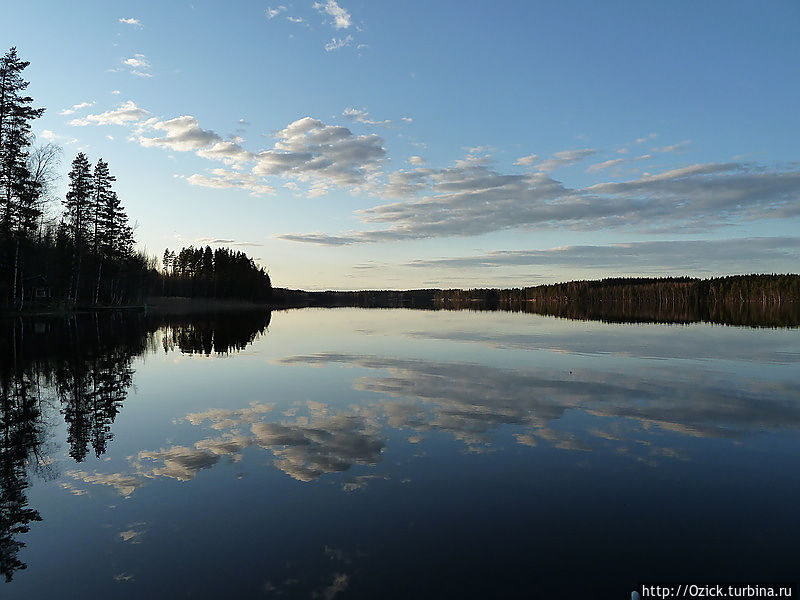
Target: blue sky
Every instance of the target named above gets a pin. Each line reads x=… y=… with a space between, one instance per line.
x=354 y=144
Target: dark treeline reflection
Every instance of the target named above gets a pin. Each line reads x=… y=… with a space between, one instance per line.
x=81 y=367
x=740 y=314
x=217 y=334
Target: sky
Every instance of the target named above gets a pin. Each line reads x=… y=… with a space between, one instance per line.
x=356 y=144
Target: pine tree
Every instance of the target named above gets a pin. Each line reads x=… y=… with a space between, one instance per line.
x=19 y=194
x=101 y=201
x=15 y=116
x=78 y=212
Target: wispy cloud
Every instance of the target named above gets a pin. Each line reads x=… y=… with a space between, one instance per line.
x=271 y=13
x=138 y=65
x=341 y=18
x=182 y=134
x=606 y=164
x=130 y=21
x=76 y=107
x=224 y=241
x=52 y=136
x=565 y=158
x=664 y=255
x=471 y=198
x=525 y=161
x=673 y=147
x=338 y=43
x=362 y=116
x=224 y=179
x=127 y=113
x=310 y=150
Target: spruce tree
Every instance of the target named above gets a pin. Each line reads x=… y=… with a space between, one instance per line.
x=101 y=199
x=78 y=212
x=19 y=194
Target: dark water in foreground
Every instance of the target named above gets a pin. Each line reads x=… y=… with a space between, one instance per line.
x=351 y=453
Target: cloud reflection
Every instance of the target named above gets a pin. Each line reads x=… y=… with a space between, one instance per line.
x=470 y=400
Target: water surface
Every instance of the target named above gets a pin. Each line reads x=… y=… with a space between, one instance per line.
x=352 y=453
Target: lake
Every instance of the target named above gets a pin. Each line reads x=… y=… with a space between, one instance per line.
x=390 y=453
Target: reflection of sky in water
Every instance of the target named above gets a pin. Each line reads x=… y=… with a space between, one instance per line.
x=347 y=450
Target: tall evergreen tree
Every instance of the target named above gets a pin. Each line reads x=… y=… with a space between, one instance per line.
x=78 y=211
x=101 y=198
x=19 y=193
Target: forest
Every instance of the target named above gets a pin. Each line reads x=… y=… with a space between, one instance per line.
x=79 y=251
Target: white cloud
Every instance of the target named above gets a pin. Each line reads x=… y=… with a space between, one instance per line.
x=362 y=116
x=126 y=113
x=222 y=179
x=76 y=107
x=271 y=13
x=470 y=199
x=605 y=165
x=182 y=134
x=137 y=62
x=673 y=255
x=324 y=155
x=295 y=19
x=307 y=150
x=338 y=43
x=566 y=158
x=673 y=147
x=416 y=160
x=228 y=152
x=526 y=160
x=341 y=18
x=138 y=65
x=52 y=136
x=130 y=21
x=116 y=92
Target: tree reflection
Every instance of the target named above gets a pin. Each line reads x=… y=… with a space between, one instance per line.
x=20 y=436
x=219 y=334
x=81 y=366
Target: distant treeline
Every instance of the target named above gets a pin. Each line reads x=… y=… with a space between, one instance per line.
x=83 y=254
x=759 y=300
x=669 y=291
x=423 y=299
x=753 y=300
x=207 y=273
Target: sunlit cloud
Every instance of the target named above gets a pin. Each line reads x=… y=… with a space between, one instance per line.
x=138 y=65
x=127 y=113
x=338 y=43
x=471 y=198
x=341 y=18
x=362 y=116
x=271 y=13
x=76 y=107
x=668 y=255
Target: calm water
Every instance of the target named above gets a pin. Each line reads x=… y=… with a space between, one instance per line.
x=351 y=453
